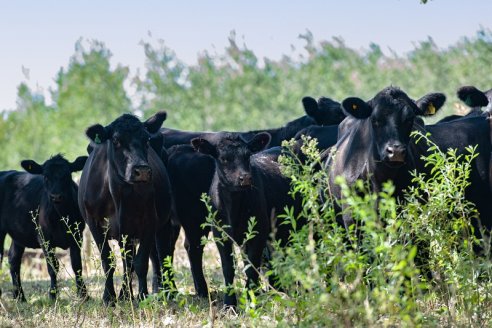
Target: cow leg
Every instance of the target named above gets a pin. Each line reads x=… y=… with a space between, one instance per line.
x=109 y=294
x=76 y=261
x=53 y=266
x=156 y=276
x=141 y=263
x=2 y=240
x=15 y=256
x=165 y=242
x=254 y=249
x=227 y=260
x=194 y=248
x=128 y=248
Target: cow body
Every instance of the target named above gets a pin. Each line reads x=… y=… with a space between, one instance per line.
x=40 y=210
x=125 y=181
x=460 y=134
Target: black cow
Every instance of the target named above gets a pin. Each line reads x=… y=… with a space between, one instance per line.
x=125 y=181
x=233 y=196
x=191 y=174
x=39 y=210
x=377 y=146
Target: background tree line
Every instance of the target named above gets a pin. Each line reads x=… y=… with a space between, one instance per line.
x=232 y=90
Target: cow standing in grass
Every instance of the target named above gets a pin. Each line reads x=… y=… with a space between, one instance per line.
x=234 y=197
x=191 y=173
x=125 y=195
x=39 y=210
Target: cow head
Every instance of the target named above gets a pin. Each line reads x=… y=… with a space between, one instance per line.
x=128 y=140
x=391 y=114
x=324 y=111
x=232 y=154
x=57 y=173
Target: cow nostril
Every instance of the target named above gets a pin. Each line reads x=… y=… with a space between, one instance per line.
x=390 y=151
x=56 y=197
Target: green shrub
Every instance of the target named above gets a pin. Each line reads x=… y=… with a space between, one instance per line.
x=379 y=275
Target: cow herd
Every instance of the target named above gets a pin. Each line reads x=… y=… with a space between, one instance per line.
x=141 y=183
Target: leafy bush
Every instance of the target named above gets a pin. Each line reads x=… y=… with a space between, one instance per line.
x=407 y=264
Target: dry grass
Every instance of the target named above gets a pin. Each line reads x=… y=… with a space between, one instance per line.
x=186 y=310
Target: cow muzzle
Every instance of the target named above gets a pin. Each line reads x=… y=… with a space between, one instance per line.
x=396 y=153
x=141 y=173
x=56 y=198
x=245 y=180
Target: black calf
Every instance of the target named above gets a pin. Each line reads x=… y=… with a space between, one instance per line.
x=37 y=210
x=233 y=195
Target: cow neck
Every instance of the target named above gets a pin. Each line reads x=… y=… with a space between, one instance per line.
x=55 y=212
x=114 y=176
x=418 y=149
x=234 y=204
x=378 y=171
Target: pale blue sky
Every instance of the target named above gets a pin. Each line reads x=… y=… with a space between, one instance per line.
x=40 y=34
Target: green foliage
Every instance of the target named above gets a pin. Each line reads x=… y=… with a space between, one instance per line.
x=377 y=274
x=89 y=91
x=233 y=90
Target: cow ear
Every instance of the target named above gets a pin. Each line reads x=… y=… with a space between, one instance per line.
x=157 y=142
x=97 y=133
x=78 y=164
x=204 y=146
x=429 y=104
x=310 y=106
x=259 y=142
x=154 y=123
x=356 y=107
x=472 y=97
x=31 y=166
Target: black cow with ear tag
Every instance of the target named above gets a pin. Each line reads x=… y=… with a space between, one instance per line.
x=39 y=210
x=375 y=143
x=125 y=195
x=234 y=197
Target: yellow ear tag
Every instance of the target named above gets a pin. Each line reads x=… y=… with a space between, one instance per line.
x=354 y=106
x=431 y=109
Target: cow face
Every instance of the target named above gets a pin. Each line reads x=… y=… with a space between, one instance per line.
x=57 y=173
x=391 y=115
x=324 y=111
x=127 y=140
x=232 y=154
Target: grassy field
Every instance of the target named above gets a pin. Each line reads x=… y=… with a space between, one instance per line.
x=69 y=311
